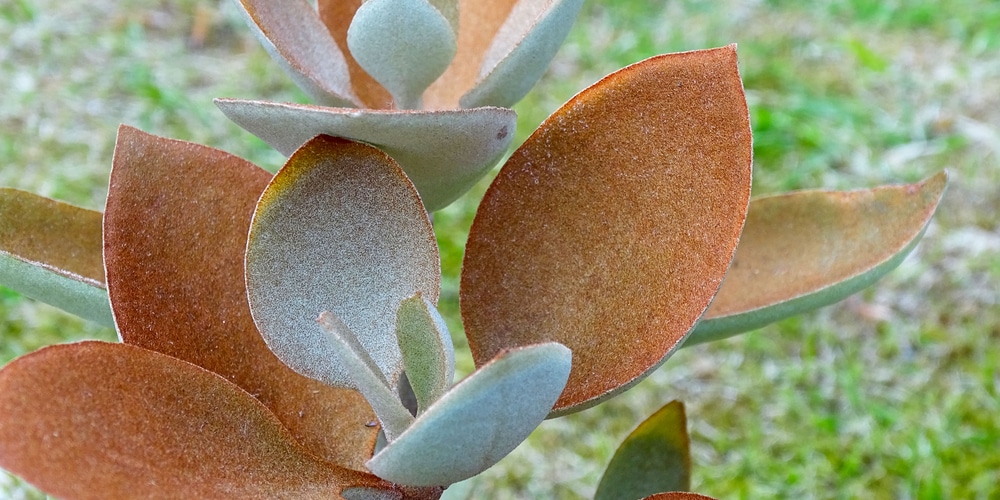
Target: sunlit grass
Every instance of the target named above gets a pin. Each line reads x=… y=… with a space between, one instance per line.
x=890 y=394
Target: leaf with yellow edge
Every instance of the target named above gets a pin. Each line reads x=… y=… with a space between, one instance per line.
x=804 y=250
x=51 y=251
x=611 y=228
x=104 y=420
x=655 y=457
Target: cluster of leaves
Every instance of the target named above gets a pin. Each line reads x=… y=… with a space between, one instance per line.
x=279 y=333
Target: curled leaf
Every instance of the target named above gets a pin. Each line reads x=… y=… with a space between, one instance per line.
x=428 y=353
x=442 y=152
x=51 y=251
x=479 y=421
x=611 y=228
x=337 y=16
x=804 y=250
x=339 y=229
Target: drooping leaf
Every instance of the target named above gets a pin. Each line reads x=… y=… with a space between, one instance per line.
x=443 y=153
x=611 y=228
x=300 y=43
x=479 y=421
x=404 y=44
x=804 y=250
x=103 y=420
x=521 y=52
x=337 y=16
x=428 y=353
x=339 y=229
x=51 y=251
x=655 y=457
x=175 y=234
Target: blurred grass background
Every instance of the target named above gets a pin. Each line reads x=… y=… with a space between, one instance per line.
x=892 y=393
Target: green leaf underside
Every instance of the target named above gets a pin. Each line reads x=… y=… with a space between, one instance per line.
x=655 y=457
x=479 y=421
x=51 y=251
x=521 y=52
x=442 y=152
x=428 y=353
x=805 y=250
x=339 y=229
x=367 y=377
x=107 y=420
x=300 y=43
x=404 y=44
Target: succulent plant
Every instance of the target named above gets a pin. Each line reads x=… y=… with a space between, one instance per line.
x=445 y=119
x=256 y=311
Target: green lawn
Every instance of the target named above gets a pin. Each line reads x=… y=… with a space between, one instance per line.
x=892 y=393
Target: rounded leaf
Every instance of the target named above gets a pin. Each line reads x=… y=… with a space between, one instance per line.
x=804 y=250
x=611 y=228
x=339 y=229
x=337 y=16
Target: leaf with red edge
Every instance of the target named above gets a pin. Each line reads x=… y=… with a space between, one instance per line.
x=804 y=250
x=611 y=228
x=103 y=420
x=175 y=232
x=678 y=495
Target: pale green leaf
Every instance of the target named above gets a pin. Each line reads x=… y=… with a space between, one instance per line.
x=479 y=421
x=442 y=152
x=51 y=251
x=404 y=44
x=428 y=353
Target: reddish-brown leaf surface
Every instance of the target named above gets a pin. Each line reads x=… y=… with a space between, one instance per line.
x=611 y=228
x=175 y=231
x=678 y=495
x=98 y=420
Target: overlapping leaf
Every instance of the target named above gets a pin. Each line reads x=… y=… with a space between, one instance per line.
x=51 y=251
x=175 y=233
x=339 y=229
x=804 y=250
x=611 y=228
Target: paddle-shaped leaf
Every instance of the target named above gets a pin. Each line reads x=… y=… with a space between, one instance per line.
x=428 y=353
x=51 y=251
x=655 y=457
x=101 y=420
x=611 y=228
x=337 y=16
x=300 y=43
x=339 y=229
x=443 y=152
x=175 y=234
x=404 y=44
x=479 y=421
x=804 y=250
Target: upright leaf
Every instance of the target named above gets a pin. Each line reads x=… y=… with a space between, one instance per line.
x=337 y=16
x=801 y=251
x=428 y=353
x=611 y=228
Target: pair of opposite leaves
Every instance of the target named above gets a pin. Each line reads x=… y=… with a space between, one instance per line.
x=588 y=237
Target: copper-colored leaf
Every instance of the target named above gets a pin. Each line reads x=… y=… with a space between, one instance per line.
x=678 y=495
x=804 y=250
x=611 y=228
x=105 y=421
x=51 y=251
x=655 y=457
x=300 y=43
x=339 y=229
x=337 y=16
x=175 y=234
x=443 y=153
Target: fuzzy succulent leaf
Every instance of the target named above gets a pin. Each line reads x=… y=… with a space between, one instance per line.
x=175 y=234
x=677 y=495
x=300 y=43
x=337 y=16
x=51 y=251
x=611 y=228
x=106 y=420
x=442 y=152
x=521 y=52
x=339 y=229
x=479 y=421
x=404 y=44
x=428 y=353
x=655 y=457
x=804 y=250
